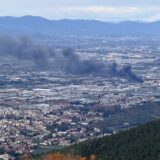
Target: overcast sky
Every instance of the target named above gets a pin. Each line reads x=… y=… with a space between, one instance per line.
x=107 y=10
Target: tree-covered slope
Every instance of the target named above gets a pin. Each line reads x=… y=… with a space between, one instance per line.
x=141 y=143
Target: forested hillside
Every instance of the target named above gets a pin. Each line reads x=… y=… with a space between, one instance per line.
x=141 y=143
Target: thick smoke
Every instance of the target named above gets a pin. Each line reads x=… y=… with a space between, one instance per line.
x=77 y=66
x=66 y=61
x=25 y=49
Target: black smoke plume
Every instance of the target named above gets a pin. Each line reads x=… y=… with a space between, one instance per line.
x=75 y=65
x=66 y=61
x=25 y=49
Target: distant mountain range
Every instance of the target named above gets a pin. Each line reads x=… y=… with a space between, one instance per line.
x=66 y=27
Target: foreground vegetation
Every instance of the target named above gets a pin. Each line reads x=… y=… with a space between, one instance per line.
x=141 y=143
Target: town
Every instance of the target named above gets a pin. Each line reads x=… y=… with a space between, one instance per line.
x=45 y=108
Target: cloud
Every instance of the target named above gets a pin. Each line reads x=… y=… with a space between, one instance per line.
x=100 y=9
x=106 y=13
x=153 y=18
x=109 y=10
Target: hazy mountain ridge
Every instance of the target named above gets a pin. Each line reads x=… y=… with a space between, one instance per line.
x=66 y=27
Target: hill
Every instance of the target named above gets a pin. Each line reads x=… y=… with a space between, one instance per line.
x=66 y=27
x=141 y=143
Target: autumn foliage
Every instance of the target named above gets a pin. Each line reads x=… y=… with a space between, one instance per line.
x=59 y=156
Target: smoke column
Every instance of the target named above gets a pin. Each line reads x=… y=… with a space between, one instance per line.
x=77 y=66
x=66 y=61
x=25 y=49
